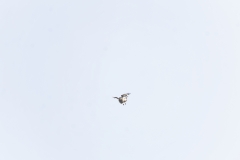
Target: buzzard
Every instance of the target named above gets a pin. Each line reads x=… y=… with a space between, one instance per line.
x=123 y=98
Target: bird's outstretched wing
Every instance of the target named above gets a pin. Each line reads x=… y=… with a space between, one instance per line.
x=116 y=97
x=125 y=95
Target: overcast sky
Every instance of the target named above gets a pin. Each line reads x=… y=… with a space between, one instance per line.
x=61 y=62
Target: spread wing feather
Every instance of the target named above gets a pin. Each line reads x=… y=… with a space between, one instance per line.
x=125 y=95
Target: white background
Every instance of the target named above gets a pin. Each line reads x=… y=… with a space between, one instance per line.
x=61 y=62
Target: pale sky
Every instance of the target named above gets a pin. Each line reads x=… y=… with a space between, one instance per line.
x=61 y=62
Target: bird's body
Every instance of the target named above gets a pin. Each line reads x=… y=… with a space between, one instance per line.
x=123 y=98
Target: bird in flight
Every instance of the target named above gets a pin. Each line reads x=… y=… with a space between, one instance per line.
x=123 y=98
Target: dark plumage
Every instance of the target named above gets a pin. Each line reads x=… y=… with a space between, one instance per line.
x=123 y=98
